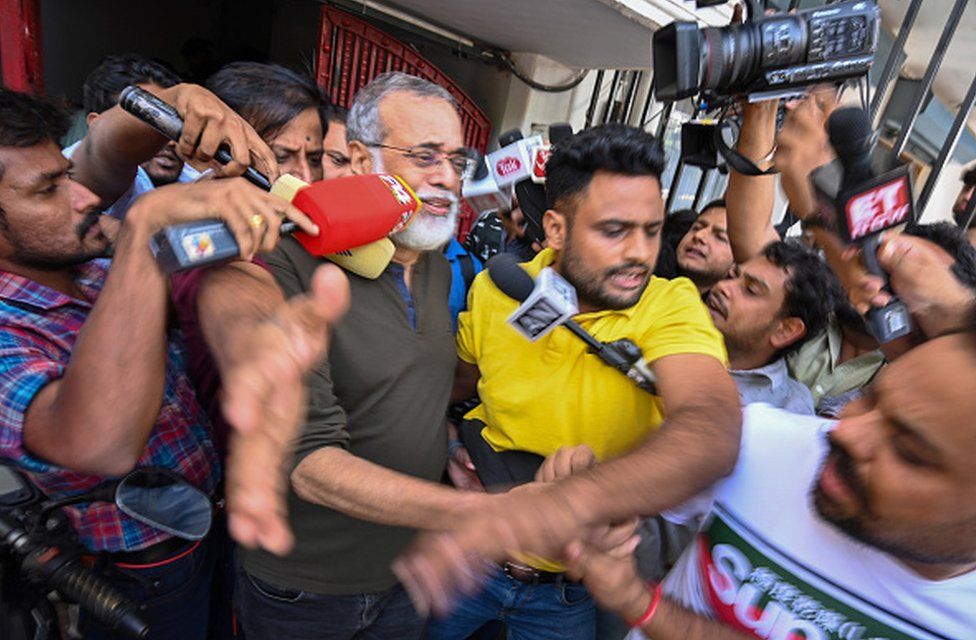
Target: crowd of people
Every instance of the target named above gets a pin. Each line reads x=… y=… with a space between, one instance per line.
x=389 y=459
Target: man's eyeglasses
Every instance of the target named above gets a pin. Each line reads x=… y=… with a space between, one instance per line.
x=426 y=158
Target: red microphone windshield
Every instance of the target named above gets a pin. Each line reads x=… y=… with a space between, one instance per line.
x=354 y=210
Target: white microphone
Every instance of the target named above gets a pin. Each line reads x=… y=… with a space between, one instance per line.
x=513 y=163
x=483 y=194
x=551 y=303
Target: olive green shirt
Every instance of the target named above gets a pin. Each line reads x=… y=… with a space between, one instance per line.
x=832 y=384
x=382 y=394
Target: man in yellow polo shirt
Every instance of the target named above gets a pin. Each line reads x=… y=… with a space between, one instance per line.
x=603 y=231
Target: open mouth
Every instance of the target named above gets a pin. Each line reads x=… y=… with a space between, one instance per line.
x=833 y=484
x=165 y=162
x=436 y=205
x=695 y=254
x=631 y=278
x=715 y=304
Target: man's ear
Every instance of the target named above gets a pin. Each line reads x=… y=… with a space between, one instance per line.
x=360 y=159
x=90 y=118
x=556 y=228
x=789 y=330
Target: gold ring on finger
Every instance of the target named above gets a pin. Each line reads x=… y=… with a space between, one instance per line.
x=256 y=220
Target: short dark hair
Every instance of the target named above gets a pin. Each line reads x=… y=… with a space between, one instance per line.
x=953 y=240
x=336 y=113
x=969 y=175
x=26 y=121
x=676 y=225
x=809 y=288
x=116 y=72
x=718 y=202
x=268 y=96
x=615 y=148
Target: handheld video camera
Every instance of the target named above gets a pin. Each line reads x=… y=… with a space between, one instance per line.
x=773 y=54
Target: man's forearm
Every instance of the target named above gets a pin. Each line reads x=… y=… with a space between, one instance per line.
x=750 y=199
x=335 y=478
x=110 y=153
x=233 y=298
x=697 y=445
x=100 y=414
x=671 y=621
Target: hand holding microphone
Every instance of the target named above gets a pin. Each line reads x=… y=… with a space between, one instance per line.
x=206 y=129
x=345 y=213
x=245 y=217
x=868 y=205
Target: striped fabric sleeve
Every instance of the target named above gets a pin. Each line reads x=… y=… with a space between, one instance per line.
x=24 y=371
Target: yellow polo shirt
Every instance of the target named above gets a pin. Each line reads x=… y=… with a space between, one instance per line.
x=539 y=396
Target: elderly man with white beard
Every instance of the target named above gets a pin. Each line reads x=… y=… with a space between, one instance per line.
x=374 y=445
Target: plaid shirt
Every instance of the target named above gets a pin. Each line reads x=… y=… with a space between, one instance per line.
x=38 y=329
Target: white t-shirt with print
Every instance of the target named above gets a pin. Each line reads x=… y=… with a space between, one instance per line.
x=765 y=563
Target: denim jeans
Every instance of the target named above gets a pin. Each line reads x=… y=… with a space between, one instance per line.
x=173 y=596
x=556 y=611
x=269 y=612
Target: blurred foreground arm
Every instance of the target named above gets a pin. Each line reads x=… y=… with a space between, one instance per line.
x=696 y=445
x=264 y=348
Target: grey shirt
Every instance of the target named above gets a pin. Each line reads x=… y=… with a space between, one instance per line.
x=773 y=385
x=382 y=394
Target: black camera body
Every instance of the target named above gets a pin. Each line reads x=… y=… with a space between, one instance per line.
x=774 y=54
x=40 y=553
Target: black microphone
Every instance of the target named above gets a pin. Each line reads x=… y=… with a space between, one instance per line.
x=851 y=137
x=509 y=137
x=559 y=132
x=868 y=205
x=166 y=120
x=512 y=280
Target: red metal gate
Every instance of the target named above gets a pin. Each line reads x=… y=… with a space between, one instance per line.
x=353 y=52
x=20 y=46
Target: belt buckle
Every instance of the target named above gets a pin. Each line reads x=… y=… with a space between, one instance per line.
x=522 y=573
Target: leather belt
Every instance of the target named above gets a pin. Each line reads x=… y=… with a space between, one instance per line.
x=155 y=554
x=530 y=575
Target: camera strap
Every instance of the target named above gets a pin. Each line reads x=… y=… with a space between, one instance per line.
x=736 y=160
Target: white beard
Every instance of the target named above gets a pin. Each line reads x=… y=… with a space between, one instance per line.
x=426 y=232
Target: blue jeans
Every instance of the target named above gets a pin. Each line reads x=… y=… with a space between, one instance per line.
x=269 y=612
x=556 y=611
x=174 y=597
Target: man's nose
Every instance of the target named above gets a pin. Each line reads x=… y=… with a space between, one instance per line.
x=82 y=198
x=443 y=176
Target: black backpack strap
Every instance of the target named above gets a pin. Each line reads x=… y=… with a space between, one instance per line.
x=467 y=270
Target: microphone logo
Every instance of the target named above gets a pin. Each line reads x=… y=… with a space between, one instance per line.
x=399 y=191
x=507 y=166
x=198 y=246
x=881 y=207
x=539 y=166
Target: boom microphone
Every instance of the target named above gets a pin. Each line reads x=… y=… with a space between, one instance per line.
x=544 y=307
x=868 y=205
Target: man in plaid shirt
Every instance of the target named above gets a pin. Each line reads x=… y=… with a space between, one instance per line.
x=92 y=379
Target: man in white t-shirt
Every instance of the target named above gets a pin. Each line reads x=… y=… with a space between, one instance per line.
x=857 y=529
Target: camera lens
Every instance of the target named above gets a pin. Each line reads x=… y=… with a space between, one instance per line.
x=728 y=55
x=767 y=54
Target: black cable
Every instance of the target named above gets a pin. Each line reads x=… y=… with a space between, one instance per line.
x=539 y=86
